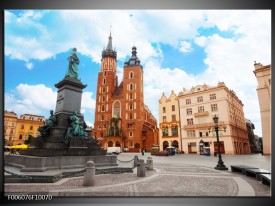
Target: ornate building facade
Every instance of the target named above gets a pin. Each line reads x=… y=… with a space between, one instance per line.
x=198 y=106
x=169 y=122
x=121 y=117
x=263 y=75
x=17 y=130
x=10 y=122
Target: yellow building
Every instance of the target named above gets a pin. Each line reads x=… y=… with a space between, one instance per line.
x=198 y=106
x=27 y=124
x=263 y=75
x=10 y=122
x=169 y=122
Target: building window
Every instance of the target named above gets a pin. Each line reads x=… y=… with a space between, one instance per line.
x=165 y=131
x=163 y=109
x=104 y=81
x=130 y=134
x=200 y=99
x=189 y=111
x=103 y=98
x=173 y=117
x=131 y=75
x=212 y=96
x=201 y=109
x=191 y=133
x=131 y=116
x=164 y=118
x=214 y=107
x=22 y=126
x=105 y=72
x=188 y=101
x=102 y=117
x=31 y=127
x=130 y=106
x=131 y=96
x=173 y=108
x=190 y=121
x=131 y=87
x=201 y=120
x=103 y=90
x=20 y=136
x=174 y=130
x=102 y=108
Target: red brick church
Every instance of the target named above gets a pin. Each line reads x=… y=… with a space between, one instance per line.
x=121 y=117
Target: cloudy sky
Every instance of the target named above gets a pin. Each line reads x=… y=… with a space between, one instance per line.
x=178 y=48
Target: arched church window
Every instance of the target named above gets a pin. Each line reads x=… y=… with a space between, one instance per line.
x=117 y=109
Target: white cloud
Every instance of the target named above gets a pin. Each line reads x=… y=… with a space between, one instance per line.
x=29 y=65
x=88 y=103
x=185 y=47
x=39 y=99
x=33 y=97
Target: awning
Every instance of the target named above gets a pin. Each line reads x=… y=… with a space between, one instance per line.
x=20 y=146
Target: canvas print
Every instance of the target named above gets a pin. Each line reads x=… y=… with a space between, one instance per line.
x=143 y=103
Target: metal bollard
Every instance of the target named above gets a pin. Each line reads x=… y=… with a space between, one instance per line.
x=136 y=161
x=149 y=163
x=89 y=175
x=141 y=168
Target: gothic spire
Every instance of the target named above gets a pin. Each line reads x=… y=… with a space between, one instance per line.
x=110 y=46
x=109 y=49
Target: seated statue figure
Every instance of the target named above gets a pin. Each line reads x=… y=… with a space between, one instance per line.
x=75 y=129
x=48 y=124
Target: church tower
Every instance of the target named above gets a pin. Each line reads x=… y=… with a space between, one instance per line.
x=106 y=84
x=133 y=95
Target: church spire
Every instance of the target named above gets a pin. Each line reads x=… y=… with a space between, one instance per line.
x=110 y=45
x=109 y=49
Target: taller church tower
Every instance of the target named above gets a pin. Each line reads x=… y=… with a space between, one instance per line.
x=106 y=84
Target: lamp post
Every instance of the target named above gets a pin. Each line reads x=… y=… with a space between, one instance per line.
x=220 y=165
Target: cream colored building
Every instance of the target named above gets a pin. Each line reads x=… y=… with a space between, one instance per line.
x=27 y=124
x=198 y=106
x=169 y=122
x=10 y=122
x=263 y=75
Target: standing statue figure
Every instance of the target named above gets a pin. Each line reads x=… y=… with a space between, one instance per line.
x=75 y=129
x=73 y=65
x=48 y=124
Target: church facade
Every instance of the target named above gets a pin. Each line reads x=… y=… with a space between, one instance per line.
x=121 y=117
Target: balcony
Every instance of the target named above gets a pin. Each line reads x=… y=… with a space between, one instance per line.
x=201 y=114
x=202 y=125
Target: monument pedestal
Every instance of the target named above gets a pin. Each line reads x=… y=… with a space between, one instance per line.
x=49 y=152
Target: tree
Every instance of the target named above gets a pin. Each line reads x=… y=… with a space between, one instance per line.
x=28 y=141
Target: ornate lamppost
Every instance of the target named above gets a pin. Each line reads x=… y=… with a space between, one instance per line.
x=220 y=165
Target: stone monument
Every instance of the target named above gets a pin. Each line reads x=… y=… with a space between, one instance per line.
x=64 y=142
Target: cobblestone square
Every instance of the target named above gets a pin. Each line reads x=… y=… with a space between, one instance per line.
x=179 y=176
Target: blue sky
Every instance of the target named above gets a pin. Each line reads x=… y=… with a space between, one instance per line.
x=179 y=48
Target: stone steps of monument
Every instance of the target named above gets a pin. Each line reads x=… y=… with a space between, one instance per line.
x=51 y=176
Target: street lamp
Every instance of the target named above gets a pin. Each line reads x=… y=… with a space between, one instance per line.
x=220 y=165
